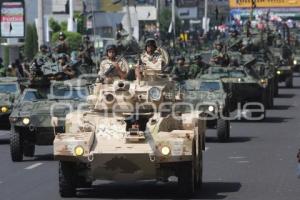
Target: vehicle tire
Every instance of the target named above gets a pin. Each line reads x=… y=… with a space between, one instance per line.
x=67 y=179
x=16 y=145
x=289 y=82
x=199 y=161
x=28 y=149
x=186 y=178
x=223 y=130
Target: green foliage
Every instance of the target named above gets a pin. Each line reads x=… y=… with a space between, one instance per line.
x=6 y=56
x=64 y=26
x=165 y=18
x=81 y=24
x=73 y=38
x=31 y=46
x=54 y=25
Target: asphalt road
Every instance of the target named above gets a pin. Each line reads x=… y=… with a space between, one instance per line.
x=259 y=163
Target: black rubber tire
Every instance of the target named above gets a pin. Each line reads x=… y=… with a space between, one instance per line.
x=186 y=180
x=28 y=149
x=67 y=179
x=16 y=145
x=289 y=82
x=223 y=130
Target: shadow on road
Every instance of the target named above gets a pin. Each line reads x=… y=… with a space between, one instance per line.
x=151 y=190
x=231 y=139
x=285 y=96
x=4 y=141
x=45 y=157
x=281 y=107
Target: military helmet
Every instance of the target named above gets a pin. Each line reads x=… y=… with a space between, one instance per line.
x=180 y=58
x=61 y=34
x=43 y=46
x=62 y=56
x=150 y=41
x=111 y=47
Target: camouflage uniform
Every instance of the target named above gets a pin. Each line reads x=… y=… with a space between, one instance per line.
x=234 y=43
x=2 y=70
x=107 y=63
x=197 y=69
x=181 y=72
x=154 y=61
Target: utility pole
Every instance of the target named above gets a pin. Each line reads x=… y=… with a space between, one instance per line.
x=157 y=14
x=174 y=21
x=71 y=16
x=128 y=19
x=40 y=23
x=205 y=16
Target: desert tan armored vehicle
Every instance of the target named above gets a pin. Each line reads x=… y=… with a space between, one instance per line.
x=124 y=137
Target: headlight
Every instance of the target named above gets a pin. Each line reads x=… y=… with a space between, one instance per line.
x=26 y=121
x=4 y=109
x=211 y=108
x=295 y=62
x=278 y=72
x=165 y=151
x=239 y=80
x=263 y=81
x=155 y=94
x=79 y=151
x=130 y=66
x=13 y=119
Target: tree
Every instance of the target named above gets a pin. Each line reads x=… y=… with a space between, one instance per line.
x=165 y=18
x=6 y=56
x=54 y=25
x=30 y=40
x=73 y=38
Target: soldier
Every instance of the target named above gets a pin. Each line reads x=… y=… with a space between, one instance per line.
x=181 y=71
x=2 y=69
x=151 y=58
x=218 y=56
x=88 y=46
x=198 y=67
x=62 y=45
x=234 y=42
x=112 y=67
x=43 y=55
x=121 y=34
x=65 y=67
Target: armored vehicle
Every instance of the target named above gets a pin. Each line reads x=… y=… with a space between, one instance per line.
x=125 y=137
x=296 y=60
x=31 y=116
x=209 y=96
x=9 y=91
x=244 y=87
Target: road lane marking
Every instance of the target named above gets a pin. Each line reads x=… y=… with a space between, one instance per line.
x=33 y=166
x=236 y=157
x=243 y=161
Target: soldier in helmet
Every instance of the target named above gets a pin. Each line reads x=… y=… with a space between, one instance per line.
x=151 y=58
x=65 y=67
x=112 y=67
x=121 y=33
x=62 y=45
x=181 y=71
x=198 y=67
x=88 y=46
x=234 y=42
x=219 y=57
x=43 y=55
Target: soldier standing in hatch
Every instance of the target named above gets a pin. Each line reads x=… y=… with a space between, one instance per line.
x=62 y=44
x=234 y=42
x=121 y=34
x=43 y=55
x=112 y=67
x=198 y=67
x=218 y=56
x=181 y=71
x=88 y=49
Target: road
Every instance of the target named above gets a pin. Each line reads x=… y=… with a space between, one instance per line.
x=258 y=163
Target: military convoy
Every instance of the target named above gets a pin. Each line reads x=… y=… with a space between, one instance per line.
x=210 y=97
x=31 y=116
x=125 y=136
x=9 y=91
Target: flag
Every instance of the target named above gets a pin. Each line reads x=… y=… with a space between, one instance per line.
x=170 y=28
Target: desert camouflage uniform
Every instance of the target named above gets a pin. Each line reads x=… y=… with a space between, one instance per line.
x=106 y=63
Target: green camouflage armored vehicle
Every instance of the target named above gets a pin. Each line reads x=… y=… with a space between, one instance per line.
x=244 y=86
x=9 y=91
x=31 y=116
x=125 y=137
x=212 y=100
